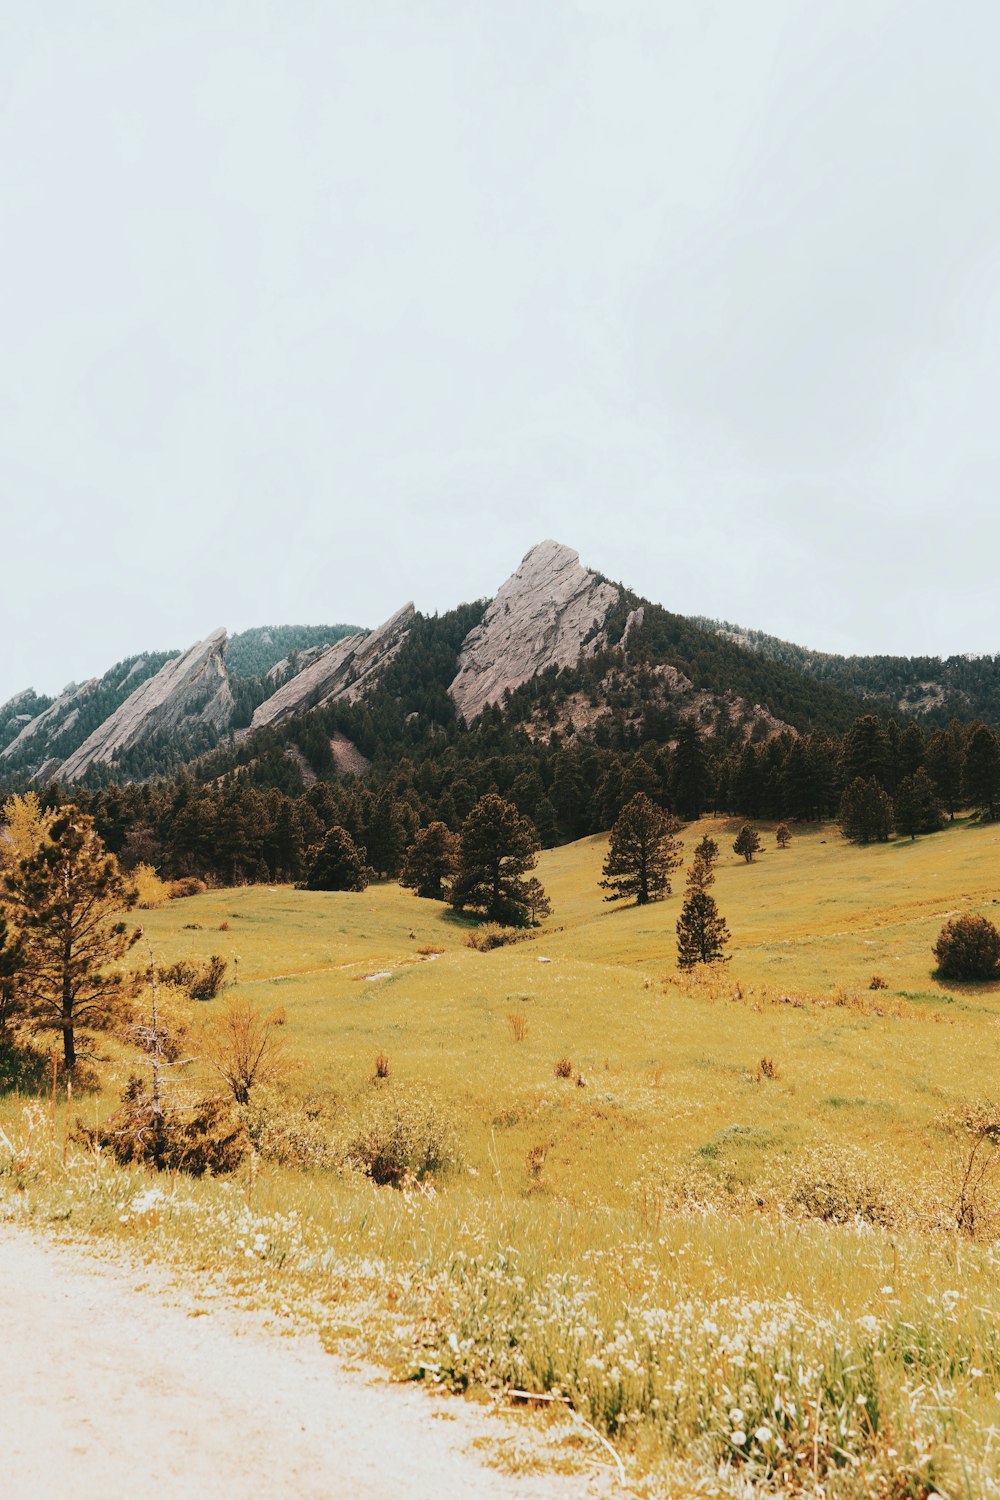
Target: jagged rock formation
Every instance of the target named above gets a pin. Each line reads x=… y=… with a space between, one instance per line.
x=547 y=614
x=43 y=725
x=340 y=671
x=192 y=687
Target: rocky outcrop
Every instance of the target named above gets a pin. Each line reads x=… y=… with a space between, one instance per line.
x=192 y=688
x=547 y=614
x=342 y=671
x=44 y=725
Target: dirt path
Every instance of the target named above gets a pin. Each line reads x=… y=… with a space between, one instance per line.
x=109 y=1387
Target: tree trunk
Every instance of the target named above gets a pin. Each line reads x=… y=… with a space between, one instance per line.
x=69 y=1048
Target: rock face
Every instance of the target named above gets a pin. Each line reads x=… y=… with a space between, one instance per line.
x=193 y=687
x=56 y=716
x=547 y=614
x=341 y=671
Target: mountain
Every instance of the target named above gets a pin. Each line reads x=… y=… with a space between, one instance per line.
x=560 y=653
x=933 y=688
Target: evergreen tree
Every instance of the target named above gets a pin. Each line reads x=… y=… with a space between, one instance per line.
x=943 y=761
x=385 y=834
x=337 y=864
x=706 y=850
x=747 y=842
x=865 y=812
x=643 y=852
x=782 y=837
x=865 y=754
x=701 y=932
x=690 y=774
x=67 y=900
x=430 y=861
x=981 y=773
x=915 y=806
x=497 y=848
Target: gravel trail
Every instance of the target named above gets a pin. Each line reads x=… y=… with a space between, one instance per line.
x=109 y=1388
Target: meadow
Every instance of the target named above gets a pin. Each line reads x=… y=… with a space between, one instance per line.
x=724 y=1227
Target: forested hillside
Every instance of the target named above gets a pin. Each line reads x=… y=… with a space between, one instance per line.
x=252 y=653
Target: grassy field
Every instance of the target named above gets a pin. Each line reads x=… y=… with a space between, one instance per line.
x=672 y=1233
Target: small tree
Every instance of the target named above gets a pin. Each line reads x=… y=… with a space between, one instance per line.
x=706 y=850
x=701 y=932
x=968 y=947
x=643 y=852
x=67 y=900
x=747 y=842
x=11 y=965
x=497 y=848
x=430 y=861
x=337 y=864
x=782 y=837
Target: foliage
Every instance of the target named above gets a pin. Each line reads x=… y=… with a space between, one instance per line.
x=252 y=653
x=642 y=854
x=702 y=933
x=865 y=812
x=404 y=1136
x=430 y=861
x=782 y=836
x=491 y=935
x=67 y=900
x=201 y=981
x=747 y=843
x=968 y=947
x=915 y=806
x=204 y=1138
x=337 y=864
x=497 y=848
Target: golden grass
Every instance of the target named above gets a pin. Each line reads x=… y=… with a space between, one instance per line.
x=591 y=1202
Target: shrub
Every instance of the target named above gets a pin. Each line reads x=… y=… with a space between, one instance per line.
x=242 y=1048
x=563 y=1068
x=767 y=1068
x=382 y=1068
x=188 y=885
x=23 y=1069
x=291 y=1132
x=402 y=1136
x=492 y=935
x=878 y=983
x=205 y=1138
x=968 y=947
x=841 y=1187
x=201 y=982
x=150 y=890
x=974 y=1131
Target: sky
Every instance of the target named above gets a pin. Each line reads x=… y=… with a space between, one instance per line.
x=310 y=307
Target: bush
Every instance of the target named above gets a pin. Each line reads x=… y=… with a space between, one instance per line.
x=206 y=1138
x=841 y=1187
x=968 y=947
x=563 y=1068
x=188 y=885
x=403 y=1136
x=492 y=935
x=150 y=890
x=23 y=1069
x=201 y=982
x=291 y=1132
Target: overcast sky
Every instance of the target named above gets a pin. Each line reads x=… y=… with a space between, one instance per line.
x=308 y=307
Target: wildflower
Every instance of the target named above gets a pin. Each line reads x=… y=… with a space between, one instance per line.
x=739 y=1437
x=763 y=1434
x=736 y=1417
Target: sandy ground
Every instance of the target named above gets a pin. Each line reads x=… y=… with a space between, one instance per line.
x=112 y=1386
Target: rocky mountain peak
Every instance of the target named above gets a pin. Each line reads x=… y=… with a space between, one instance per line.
x=548 y=612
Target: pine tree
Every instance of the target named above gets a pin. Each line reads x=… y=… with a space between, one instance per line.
x=497 y=848
x=690 y=774
x=865 y=812
x=747 y=842
x=981 y=773
x=67 y=900
x=337 y=864
x=782 y=837
x=701 y=932
x=643 y=852
x=430 y=861
x=385 y=834
x=915 y=806
x=943 y=761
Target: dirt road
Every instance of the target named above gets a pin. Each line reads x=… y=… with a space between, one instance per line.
x=109 y=1388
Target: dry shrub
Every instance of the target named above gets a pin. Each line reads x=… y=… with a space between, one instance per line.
x=563 y=1068
x=188 y=885
x=223 y=926
x=150 y=890
x=292 y=1132
x=279 y=1016
x=242 y=1048
x=429 y=951
x=973 y=1131
x=534 y=1161
x=878 y=983
x=382 y=1068
x=518 y=1025
x=23 y=1069
x=491 y=935
x=842 y=1186
x=403 y=1137
x=207 y=1137
x=766 y=1068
